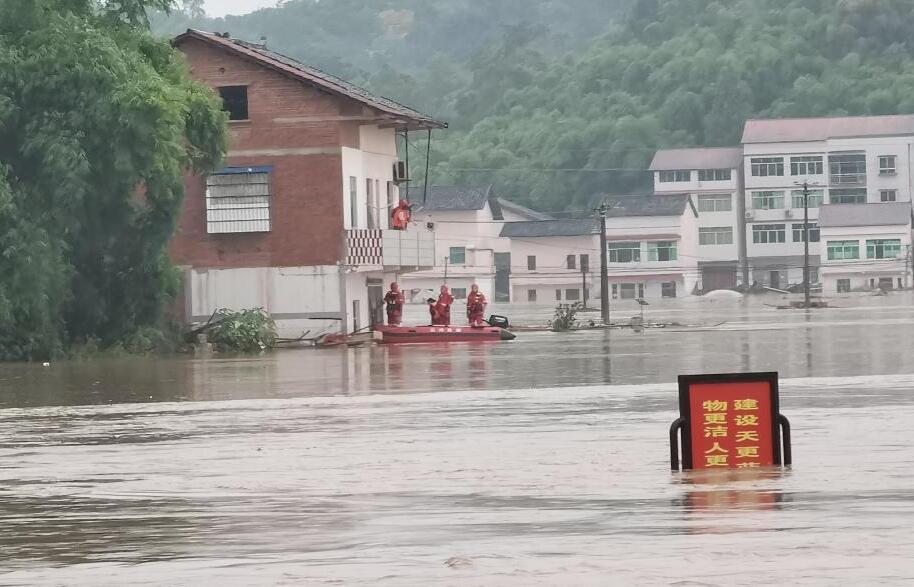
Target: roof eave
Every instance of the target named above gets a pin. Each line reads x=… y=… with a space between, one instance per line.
x=397 y=120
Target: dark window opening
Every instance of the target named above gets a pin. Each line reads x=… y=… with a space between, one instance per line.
x=571 y=261
x=235 y=101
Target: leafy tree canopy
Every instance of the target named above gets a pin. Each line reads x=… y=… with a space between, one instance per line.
x=99 y=120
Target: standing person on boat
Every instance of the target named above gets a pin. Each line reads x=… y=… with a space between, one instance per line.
x=476 y=307
x=442 y=313
x=394 y=300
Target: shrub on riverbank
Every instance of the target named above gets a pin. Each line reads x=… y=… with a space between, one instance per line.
x=247 y=331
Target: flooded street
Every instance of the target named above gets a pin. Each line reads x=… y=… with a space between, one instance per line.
x=543 y=461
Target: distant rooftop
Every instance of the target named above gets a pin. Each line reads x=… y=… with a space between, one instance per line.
x=798 y=130
x=453 y=198
x=662 y=205
x=509 y=206
x=697 y=158
x=884 y=214
x=400 y=115
x=547 y=228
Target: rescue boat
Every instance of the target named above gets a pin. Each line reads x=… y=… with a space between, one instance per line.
x=406 y=334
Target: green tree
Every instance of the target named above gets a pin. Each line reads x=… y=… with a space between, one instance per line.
x=101 y=121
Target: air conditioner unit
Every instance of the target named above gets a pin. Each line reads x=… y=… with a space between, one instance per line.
x=788 y=213
x=750 y=215
x=401 y=172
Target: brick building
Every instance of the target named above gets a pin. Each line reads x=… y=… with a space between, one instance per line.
x=298 y=220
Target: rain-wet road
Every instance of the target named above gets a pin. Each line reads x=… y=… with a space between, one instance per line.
x=539 y=462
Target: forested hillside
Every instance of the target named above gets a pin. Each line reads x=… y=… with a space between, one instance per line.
x=552 y=123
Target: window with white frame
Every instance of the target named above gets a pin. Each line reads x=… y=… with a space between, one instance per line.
x=883 y=248
x=459 y=293
x=767 y=166
x=238 y=200
x=662 y=251
x=767 y=200
x=847 y=196
x=763 y=234
x=816 y=198
x=624 y=252
x=888 y=195
x=888 y=165
x=841 y=250
x=714 y=175
x=809 y=165
x=798 y=232
x=715 y=235
x=715 y=203
x=572 y=295
x=675 y=176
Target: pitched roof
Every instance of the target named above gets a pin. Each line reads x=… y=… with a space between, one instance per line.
x=884 y=214
x=703 y=158
x=798 y=130
x=523 y=210
x=545 y=228
x=659 y=205
x=399 y=114
x=453 y=198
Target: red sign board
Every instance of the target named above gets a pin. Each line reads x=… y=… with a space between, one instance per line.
x=730 y=421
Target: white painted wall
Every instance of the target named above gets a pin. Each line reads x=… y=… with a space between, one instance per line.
x=873 y=147
x=373 y=160
x=295 y=296
x=478 y=233
x=864 y=273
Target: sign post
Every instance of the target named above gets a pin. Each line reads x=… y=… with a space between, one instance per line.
x=730 y=422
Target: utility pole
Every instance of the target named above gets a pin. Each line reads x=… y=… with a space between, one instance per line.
x=806 y=302
x=604 y=268
x=584 y=285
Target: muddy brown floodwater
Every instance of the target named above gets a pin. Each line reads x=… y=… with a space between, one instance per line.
x=537 y=462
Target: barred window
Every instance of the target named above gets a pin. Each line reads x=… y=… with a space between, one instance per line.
x=238 y=200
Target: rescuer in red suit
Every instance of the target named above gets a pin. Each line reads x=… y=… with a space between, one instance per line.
x=394 y=300
x=441 y=315
x=476 y=307
x=400 y=216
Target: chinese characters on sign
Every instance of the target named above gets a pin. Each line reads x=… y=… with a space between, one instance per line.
x=730 y=424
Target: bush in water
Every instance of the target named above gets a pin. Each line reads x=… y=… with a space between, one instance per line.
x=248 y=331
x=565 y=316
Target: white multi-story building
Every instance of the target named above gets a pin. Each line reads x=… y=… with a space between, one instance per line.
x=466 y=222
x=653 y=246
x=865 y=246
x=555 y=260
x=651 y=252
x=848 y=160
x=713 y=176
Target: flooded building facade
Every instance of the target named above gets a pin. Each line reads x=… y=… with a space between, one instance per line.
x=865 y=246
x=298 y=221
x=555 y=261
x=467 y=222
x=847 y=161
x=757 y=188
x=713 y=176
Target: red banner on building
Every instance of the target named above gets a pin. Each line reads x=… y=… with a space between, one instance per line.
x=730 y=421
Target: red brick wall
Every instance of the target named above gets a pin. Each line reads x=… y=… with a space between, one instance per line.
x=307 y=185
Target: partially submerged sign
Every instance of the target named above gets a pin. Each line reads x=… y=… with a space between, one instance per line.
x=730 y=422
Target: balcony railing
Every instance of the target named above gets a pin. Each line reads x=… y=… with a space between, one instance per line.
x=411 y=249
x=847 y=179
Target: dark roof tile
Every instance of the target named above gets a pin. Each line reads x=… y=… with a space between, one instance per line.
x=400 y=114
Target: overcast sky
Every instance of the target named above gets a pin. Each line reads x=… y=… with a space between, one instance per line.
x=223 y=7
